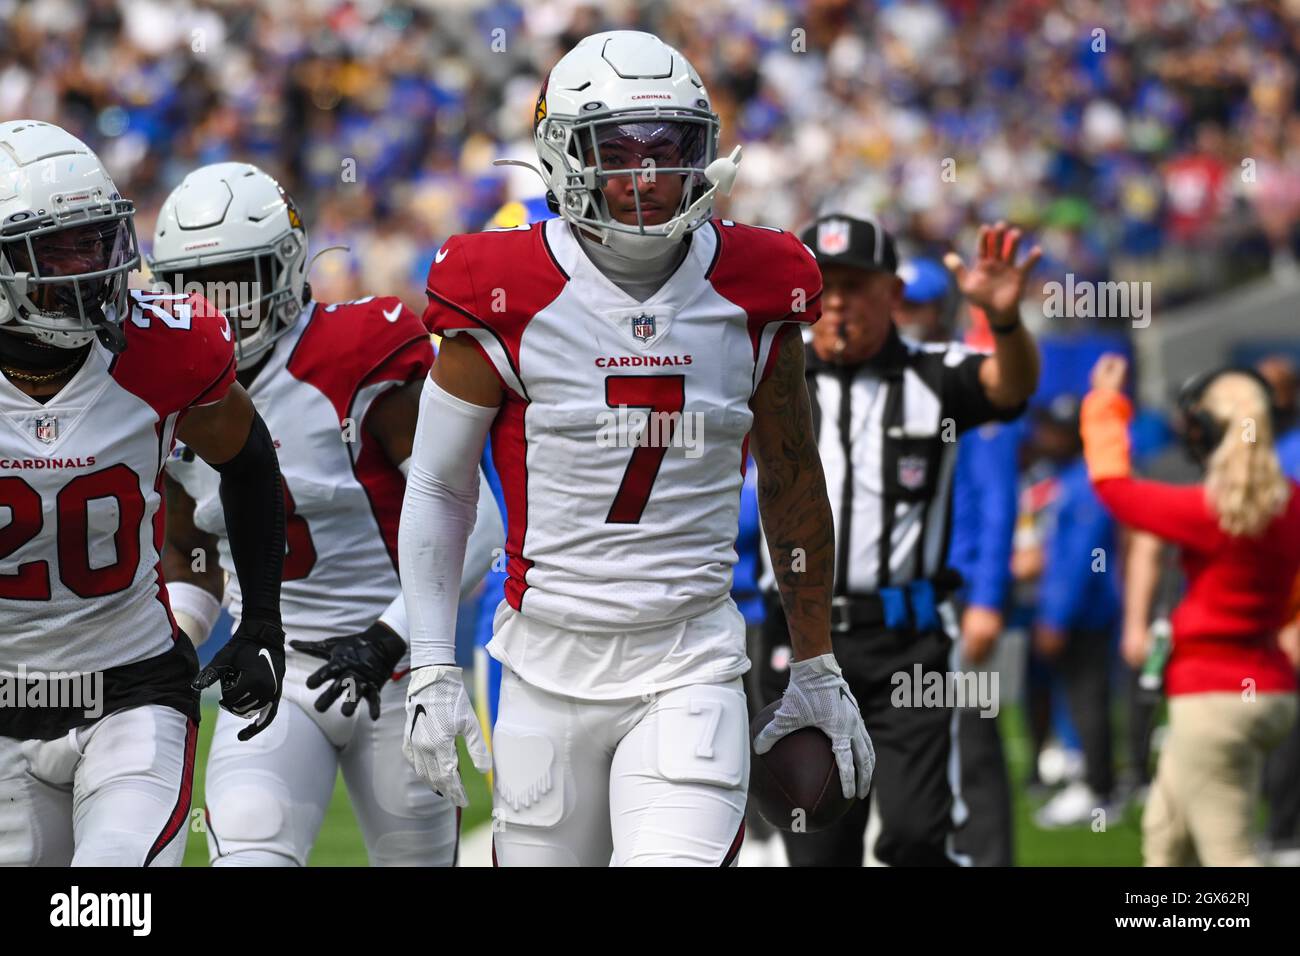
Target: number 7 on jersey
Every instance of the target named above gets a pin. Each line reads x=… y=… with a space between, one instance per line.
x=662 y=395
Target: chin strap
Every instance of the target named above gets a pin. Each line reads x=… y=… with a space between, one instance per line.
x=112 y=337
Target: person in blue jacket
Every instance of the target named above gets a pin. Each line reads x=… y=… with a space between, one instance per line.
x=984 y=518
x=1288 y=454
x=1078 y=612
x=983 y=522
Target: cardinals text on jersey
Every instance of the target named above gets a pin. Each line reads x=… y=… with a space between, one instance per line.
x=615 y=520
x=80 y=580
x=342 y=494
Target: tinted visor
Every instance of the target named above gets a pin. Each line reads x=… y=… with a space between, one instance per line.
x=58 y=260
x=658 y=144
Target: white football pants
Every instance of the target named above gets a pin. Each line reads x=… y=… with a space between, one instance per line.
x=642 y=782
x=266 y=797
x=112 y=793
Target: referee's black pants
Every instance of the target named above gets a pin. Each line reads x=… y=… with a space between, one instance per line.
x=911 y=784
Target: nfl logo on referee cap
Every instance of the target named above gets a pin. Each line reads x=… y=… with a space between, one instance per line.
x=643 y=326
x=833 y=237
x=47 y=428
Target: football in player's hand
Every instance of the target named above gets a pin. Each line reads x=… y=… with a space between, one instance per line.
x=795 y=786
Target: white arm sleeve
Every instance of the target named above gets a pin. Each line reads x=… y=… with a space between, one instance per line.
x=484 y=541
x=438 y=514
x=196 y=610
x=487 y=540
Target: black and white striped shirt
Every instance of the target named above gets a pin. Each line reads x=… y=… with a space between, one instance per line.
x=887 y=432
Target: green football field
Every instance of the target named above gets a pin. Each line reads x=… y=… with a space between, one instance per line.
x=339 y=843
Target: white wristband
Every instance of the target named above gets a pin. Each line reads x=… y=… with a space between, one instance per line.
x=394 y=617
x=196 y=609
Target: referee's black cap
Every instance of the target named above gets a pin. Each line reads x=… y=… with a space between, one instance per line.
x=838 y=239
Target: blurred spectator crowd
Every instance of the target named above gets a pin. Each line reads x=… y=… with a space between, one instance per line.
x=1149 y=139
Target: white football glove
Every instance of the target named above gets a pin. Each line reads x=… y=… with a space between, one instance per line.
x=817 y=696
x=438 y=711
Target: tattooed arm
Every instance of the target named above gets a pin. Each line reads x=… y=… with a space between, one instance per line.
x=797 y=521
x=792 y=500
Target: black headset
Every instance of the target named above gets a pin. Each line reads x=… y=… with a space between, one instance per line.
x=1201 y=431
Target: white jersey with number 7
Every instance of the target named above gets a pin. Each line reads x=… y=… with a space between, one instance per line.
x=621 y=441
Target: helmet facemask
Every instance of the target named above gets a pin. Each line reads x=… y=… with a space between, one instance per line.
x=648 y=149
x=65 y=278
x=252 y=288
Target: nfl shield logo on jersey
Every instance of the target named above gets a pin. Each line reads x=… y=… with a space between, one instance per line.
x=911 y=472
x=833 y=237
x=643 y=326
x=47 y=428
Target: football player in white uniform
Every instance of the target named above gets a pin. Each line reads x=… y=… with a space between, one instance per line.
x=98 y=693
x=339 y=387
x=621 y=357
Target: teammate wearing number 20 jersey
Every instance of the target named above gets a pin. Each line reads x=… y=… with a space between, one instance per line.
x=338 y=386
x=98 y=717
x=619 y=358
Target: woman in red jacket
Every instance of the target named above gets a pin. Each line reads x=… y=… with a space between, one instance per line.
x=1231 y=689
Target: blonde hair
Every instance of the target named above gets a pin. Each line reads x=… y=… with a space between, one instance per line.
x=1244 y=483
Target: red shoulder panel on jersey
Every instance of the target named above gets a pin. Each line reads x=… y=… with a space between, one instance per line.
x=495 y=281
x=179 y=352
x=352 y=344
x=768 y=273
x=510 y=455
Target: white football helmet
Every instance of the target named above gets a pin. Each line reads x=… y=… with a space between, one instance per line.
x=231 y=232
x=67 y=240
x=617 y=104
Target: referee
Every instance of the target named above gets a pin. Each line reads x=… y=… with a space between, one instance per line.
x=887 y=413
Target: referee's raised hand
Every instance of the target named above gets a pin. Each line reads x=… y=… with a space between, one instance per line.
x=994 y=281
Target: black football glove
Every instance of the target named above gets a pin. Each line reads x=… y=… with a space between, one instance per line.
x=251 y=670
x=361 y=663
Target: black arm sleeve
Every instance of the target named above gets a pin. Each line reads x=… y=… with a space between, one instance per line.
x=253 y=502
